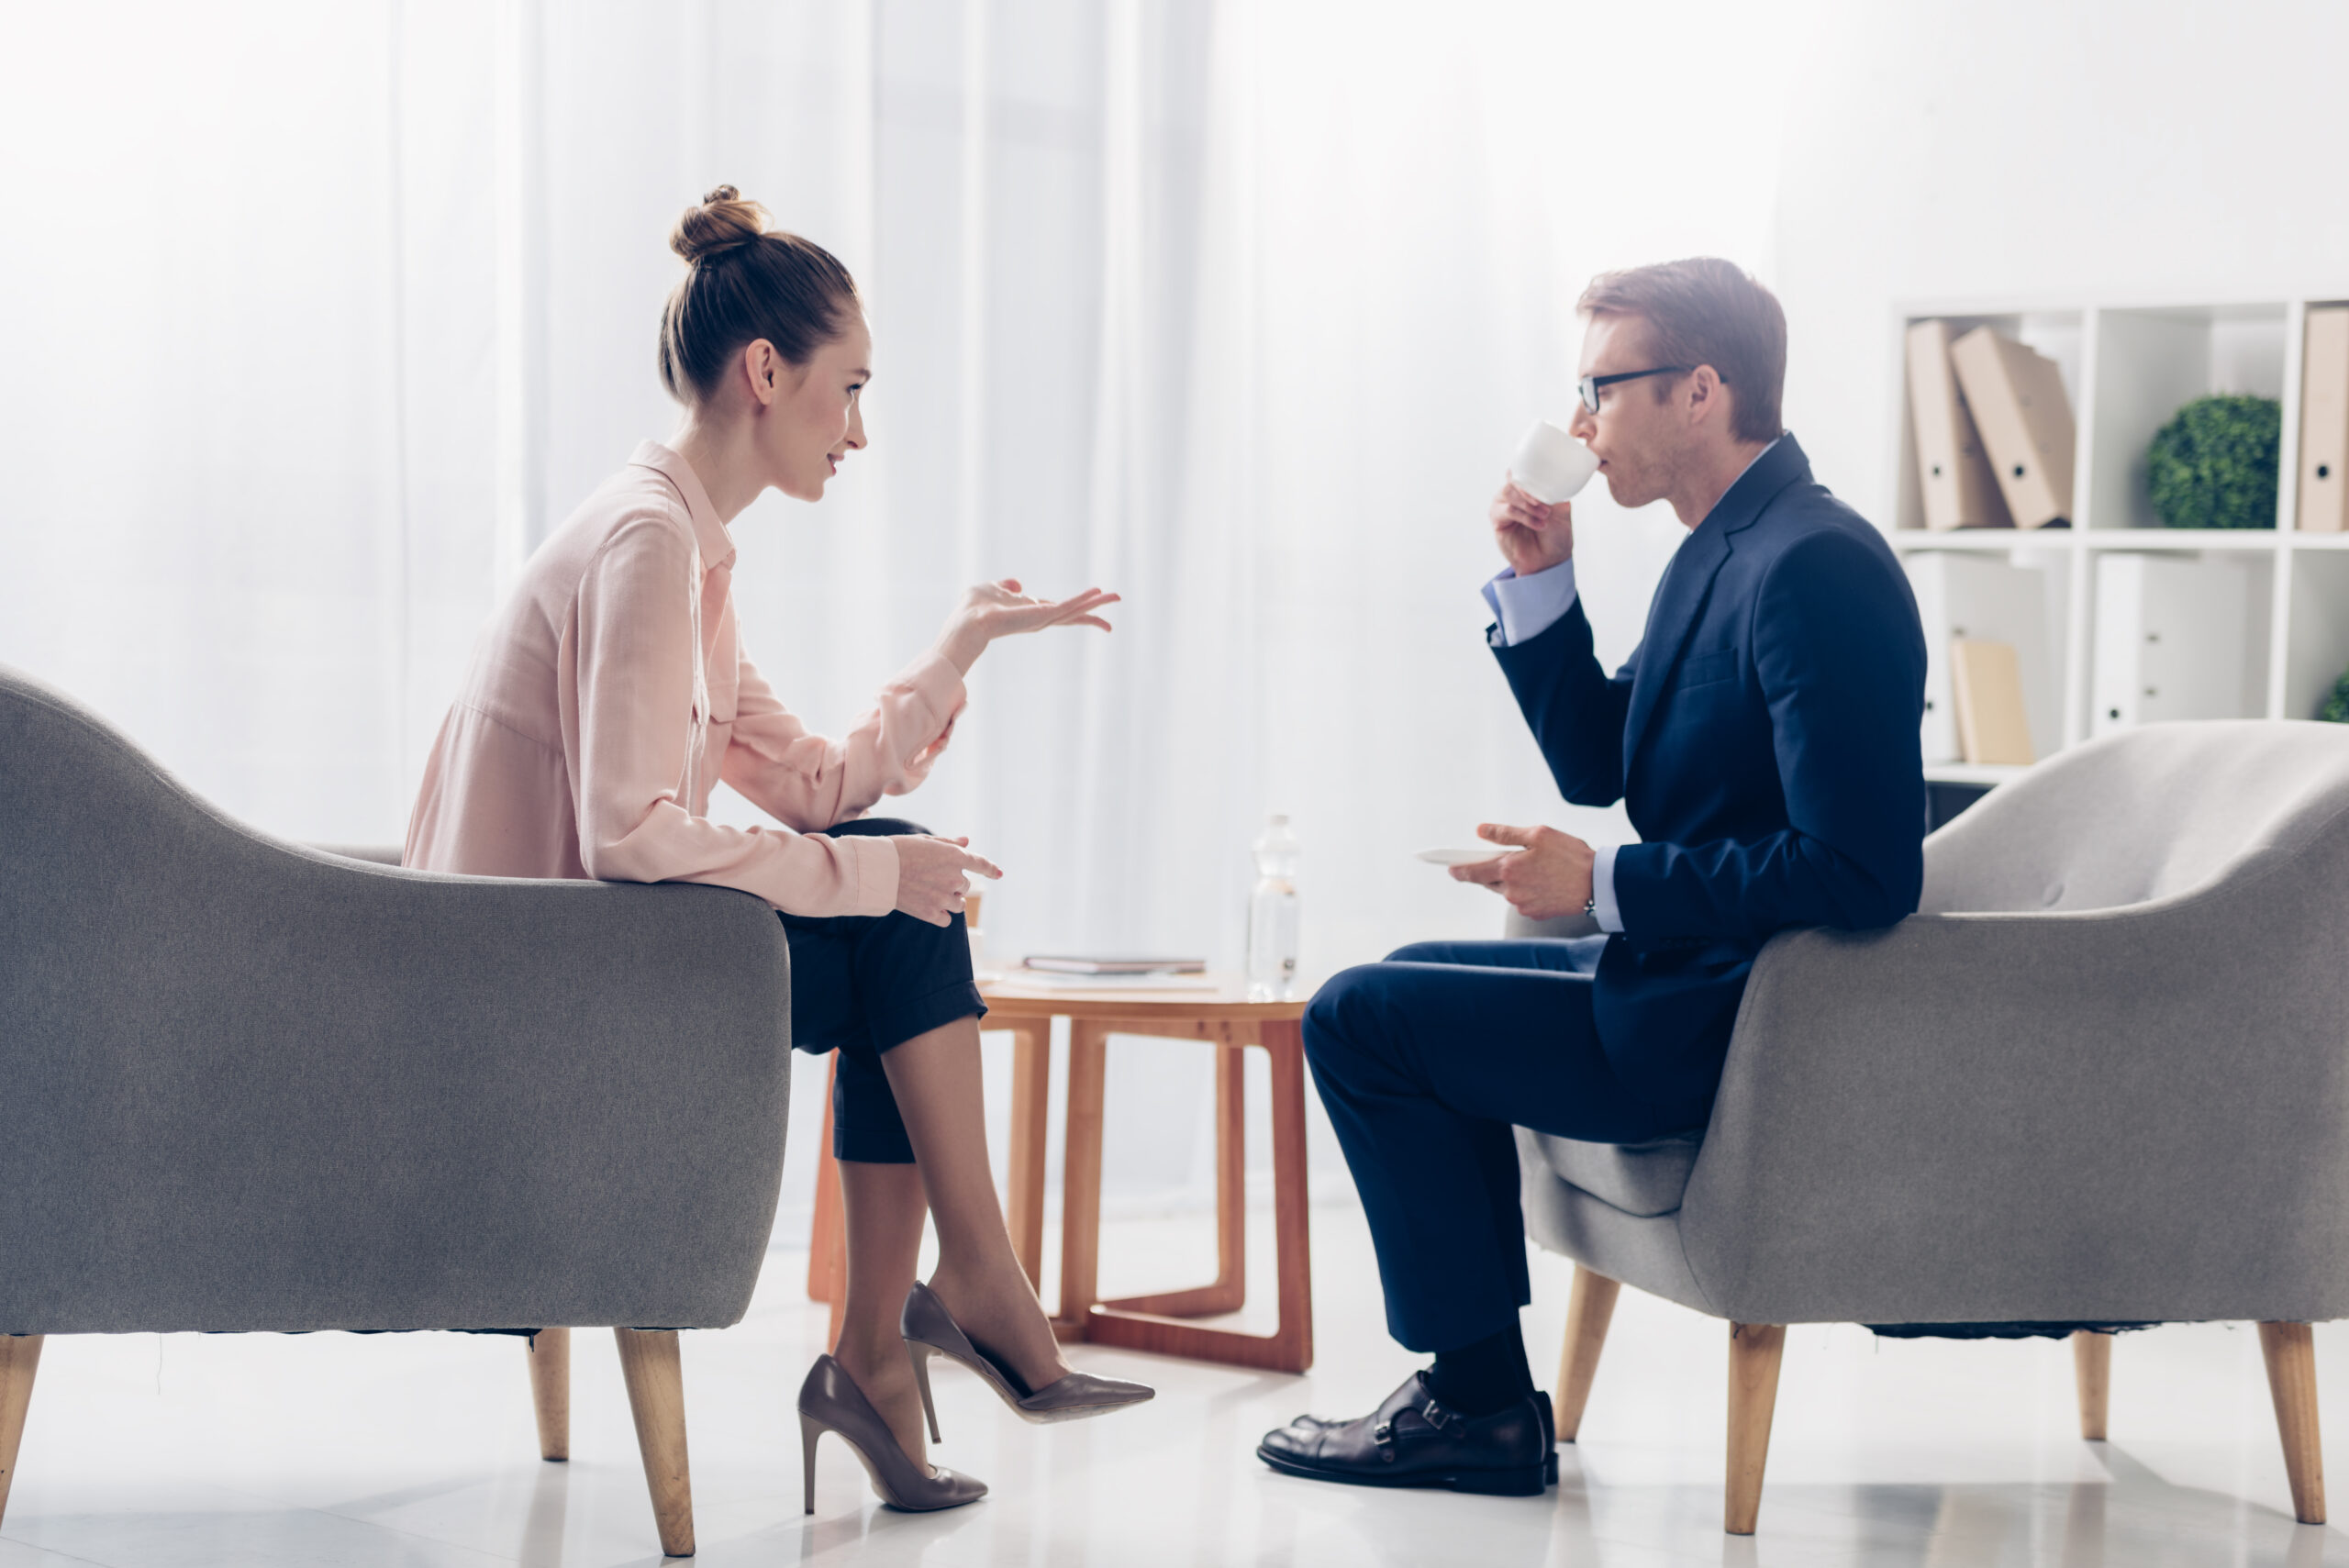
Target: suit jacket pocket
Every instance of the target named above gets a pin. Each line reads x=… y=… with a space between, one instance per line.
x=1704 y=669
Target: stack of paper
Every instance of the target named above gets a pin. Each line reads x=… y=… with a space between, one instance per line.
x=1094 y=965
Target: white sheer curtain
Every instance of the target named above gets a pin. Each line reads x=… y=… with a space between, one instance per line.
x=314 y=321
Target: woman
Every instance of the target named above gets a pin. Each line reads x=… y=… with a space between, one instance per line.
x=611 y=695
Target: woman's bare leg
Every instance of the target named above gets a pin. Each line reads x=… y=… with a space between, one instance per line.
x=935 y=1077
x=885 y=1205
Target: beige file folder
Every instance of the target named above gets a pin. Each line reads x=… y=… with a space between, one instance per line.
x=1960 y=491
x=2324 y=422
x=1986 y=681
x=2019 y=405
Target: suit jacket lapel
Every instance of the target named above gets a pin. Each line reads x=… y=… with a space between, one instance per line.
x=1680 y=598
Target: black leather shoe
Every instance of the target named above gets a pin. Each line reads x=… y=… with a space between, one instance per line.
x=1413 y=1440
x=1541 y=1403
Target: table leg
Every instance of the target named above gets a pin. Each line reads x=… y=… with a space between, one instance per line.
x=1080 y=1178
x=1290 y=1348
x=1284 y=1043
x=1229 y=1291
x=1231 y=1173
x=1023 y=1203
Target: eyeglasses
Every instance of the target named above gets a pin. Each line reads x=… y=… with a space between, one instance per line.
x=1591 y=384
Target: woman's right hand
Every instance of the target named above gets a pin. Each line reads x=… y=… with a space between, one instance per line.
x=991 y=610
x=929 y=875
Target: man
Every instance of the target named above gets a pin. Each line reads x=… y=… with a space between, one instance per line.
x=1764 y=737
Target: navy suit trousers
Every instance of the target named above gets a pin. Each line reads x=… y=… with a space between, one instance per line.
x=1425 y=1062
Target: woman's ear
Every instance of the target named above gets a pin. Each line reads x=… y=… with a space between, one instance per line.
x=762 y=368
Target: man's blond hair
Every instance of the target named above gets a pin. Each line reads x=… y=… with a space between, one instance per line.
x=1705 y=311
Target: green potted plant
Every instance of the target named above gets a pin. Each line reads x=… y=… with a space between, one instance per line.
x=2336 y=706
x=2213 y=465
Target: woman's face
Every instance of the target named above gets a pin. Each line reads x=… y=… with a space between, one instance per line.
x=816 y=419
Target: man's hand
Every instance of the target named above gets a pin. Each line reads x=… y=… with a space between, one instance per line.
x=1532 y=537
x=929 y=875
x=1547 y=878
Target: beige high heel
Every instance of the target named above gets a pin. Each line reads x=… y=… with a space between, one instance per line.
x=830 y=1401
x=930 y=1330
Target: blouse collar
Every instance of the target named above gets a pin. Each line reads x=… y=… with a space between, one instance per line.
x=716 y=544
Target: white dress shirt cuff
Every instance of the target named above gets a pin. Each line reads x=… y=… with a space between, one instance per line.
x=1528 y=606
x=1602 y=889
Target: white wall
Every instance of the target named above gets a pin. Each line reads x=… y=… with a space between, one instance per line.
x=2092 y=150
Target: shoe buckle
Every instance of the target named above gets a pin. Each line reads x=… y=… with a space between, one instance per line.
x=1382 y=1435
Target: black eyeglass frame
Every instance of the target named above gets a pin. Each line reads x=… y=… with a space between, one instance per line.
x=1591 y=384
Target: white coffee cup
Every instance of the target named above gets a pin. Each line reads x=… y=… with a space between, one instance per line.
x=1551 y=465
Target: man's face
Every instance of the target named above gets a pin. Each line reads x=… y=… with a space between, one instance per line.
x=1640 y=429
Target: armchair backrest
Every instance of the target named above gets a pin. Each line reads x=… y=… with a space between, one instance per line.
x=255 y=1087
x=2151 y=814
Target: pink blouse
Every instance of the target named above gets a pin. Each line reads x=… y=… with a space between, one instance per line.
x=610 y=695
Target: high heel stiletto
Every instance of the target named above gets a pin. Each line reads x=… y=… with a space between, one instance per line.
x=830 y=1401
x=930 y=1330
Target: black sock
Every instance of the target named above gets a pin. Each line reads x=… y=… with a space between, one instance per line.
x=1486 y=1377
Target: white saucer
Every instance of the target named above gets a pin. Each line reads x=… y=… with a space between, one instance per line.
x=1474 y=857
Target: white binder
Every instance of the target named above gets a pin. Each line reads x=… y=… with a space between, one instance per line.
x=2173 y=640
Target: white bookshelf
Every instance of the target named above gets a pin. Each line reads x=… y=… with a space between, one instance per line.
x=2128 y=368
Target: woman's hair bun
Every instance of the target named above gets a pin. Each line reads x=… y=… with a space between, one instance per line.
x=723 y=222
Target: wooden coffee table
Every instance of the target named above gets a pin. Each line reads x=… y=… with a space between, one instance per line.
x=1219 y=1013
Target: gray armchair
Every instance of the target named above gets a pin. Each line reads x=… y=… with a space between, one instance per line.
x=2101 y=1079
x=255 y=1087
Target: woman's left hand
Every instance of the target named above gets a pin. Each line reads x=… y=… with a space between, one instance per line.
x=999 y=609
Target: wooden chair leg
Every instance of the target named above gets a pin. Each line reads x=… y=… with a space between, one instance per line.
x=1588 y=1311
x=2092 y=1370
x=551 y=1390
x=19 y=1359
x=1754 y=1351
x=2290 y=1350
x=656 y=1397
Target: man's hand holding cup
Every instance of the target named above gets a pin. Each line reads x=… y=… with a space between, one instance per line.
x=1533 y=516
x=1532 y=537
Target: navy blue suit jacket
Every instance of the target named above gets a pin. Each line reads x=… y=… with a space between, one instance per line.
x=1764 y=736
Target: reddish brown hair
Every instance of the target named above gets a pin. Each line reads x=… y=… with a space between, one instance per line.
x=1705 y=311
x=744 y=281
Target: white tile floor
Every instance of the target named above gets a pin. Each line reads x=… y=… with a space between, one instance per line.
x=417 y=1451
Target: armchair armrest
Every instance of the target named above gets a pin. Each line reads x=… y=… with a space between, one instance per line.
x=2109 y=1115
x=254 y=1087
x=380 y=854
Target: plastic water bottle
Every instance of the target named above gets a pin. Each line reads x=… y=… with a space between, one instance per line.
x=1272 y=914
